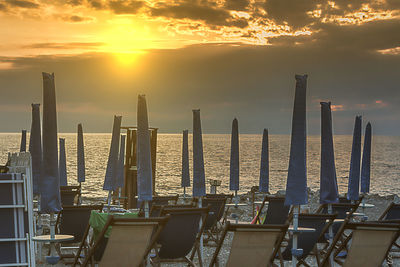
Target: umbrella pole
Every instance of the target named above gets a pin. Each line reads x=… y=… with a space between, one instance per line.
x=146 y=209
x=236 y=205
x=119 y=196
x=200 y=225
x=296 y=210
x=184 y=194
x=80 y=193
x=109 y=200
x=330 y=235
x=52 y=259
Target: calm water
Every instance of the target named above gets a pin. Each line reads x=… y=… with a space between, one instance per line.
x=385 y=169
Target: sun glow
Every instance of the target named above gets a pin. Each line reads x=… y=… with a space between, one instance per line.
x=128 y=59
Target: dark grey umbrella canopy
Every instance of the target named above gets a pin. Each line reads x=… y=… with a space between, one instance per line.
x=50 y=186
x=22 y=147
x=354 y=176
x=264 y=166
x=143 y=153
x=112 y=164
x=366 y=160
x=62 y=166
x=80 y=155
x=199 y=184
x=121 y=162
x=234 y=162
x=296 y=185
x=185 y=181
x=328 y=182
x=35 y=148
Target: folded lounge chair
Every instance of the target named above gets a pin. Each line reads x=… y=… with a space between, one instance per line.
x=181 y=235
x=370 y=244
x=130 y=240
x=74 y=220
x=70 y=195
x=252 y=244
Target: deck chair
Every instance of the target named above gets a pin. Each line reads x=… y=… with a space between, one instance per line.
x=155 y=210
x=159 y=200
x=228 y=199
x=392 y=212
x=129 y=241
x=370 y=244
x=74 y=220
x=70 y=195
x=252 y=244
x=308 y=241
x=277 y=212
x=217 y=208
x=181 y=235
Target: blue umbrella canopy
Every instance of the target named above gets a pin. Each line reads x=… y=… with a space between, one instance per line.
x=296 y=185
x=328 y=182
x=121 y=162
x=366 y=160
x=354 y=176
x=35 y=148
x=50 y=187
x=143 y=153
x=234 y=163
x=264 y=166
x=112 y=164
x=62 y=164
x=199 y=183
x=185 y=181
x=22 y=147
x=80 y=155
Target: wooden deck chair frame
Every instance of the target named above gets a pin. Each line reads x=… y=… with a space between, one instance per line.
x=339 y=245
x=214 y=231
x=229 y=198
x=84 y=242
x=265 y=200
x=252 y=228
x=196 y=246
x=177 y=206
x=172 y=198
x=386 y=211
x=157 y=222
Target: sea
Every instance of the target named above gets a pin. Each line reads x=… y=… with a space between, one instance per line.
x=385 y=161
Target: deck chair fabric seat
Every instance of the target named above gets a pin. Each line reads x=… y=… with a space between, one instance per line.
x=158 y=200
x=70 y=195
x=181 y=234
x=252 y=245
x=216 y=212
x=370 y=243
x=392 y=212
x=308 y=241
x=277 y=212
x=129 y=242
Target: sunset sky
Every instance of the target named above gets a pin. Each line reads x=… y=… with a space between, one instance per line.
x=230 y=58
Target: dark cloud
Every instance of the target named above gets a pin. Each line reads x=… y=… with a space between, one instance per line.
x=206 y=12
x=22 y=3
x=96 y=4
x=71 y=45
x=239 y=5
x=76 y=18
x=126 y=7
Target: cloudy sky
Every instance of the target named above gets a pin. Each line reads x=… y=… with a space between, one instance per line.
x=230 y=58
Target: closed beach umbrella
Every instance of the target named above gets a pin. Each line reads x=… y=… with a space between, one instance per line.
x=35 y=148
x=185 y=179
x=264 y=166
x=328 y=181
x=234 y=163
x=80 y=155
x=121 y=162
x=50 y=186
x=112 y=164
x=296 y=185
x=199 y=184
x=62 y=164
x=354 y=176
x=366 y=160
x=143 y=153
x=22 y=147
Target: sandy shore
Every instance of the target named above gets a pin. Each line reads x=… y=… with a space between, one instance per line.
x=244 y=213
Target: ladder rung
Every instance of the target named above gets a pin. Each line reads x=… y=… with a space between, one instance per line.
x=15 y=264
x=11 y=181
x=11 y=206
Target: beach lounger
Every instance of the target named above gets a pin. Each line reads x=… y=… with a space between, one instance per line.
x=368 y=244
x=70 y=195
x=308 y=241
x=155 y=210
x=74 y=220
x=228 y=199
x=392 y=212
x=181 y=235
x=159 y=200
x=277 y=212
x=216 y=212
x=252 y=245
x=130 y=240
